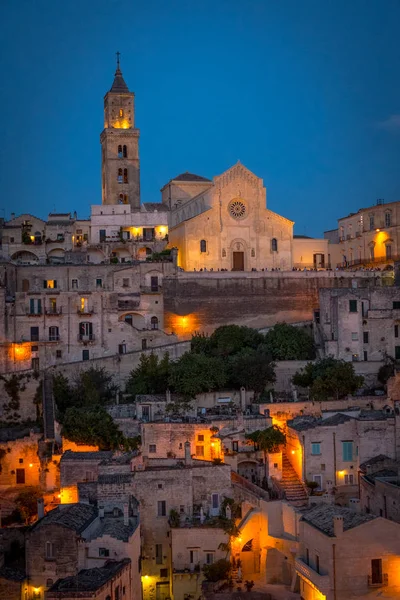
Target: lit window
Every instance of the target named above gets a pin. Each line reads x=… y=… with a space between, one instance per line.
x=49 y=284
x=121 y=112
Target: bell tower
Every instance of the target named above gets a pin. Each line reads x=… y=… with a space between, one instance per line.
x=120 y=171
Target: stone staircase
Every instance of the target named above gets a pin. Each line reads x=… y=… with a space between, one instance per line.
x=294 y=490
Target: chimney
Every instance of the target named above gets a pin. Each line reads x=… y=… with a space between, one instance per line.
x=337 y=525
x=126 y=514
x=188 y=456
x=40 y=508
x=101 y=512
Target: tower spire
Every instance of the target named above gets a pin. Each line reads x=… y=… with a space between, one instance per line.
x=119 y=86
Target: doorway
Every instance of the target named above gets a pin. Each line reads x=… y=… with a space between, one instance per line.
x=238 y=261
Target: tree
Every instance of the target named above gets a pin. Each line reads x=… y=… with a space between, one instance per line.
x=151 y=376
x=92 y=426
x=285 y=342
x=93 y=387
x=269 y=441
x=329 y=378
x=26 y=503
x=231 y=339
x=193 y=374
x=217 y=571
x=251 y=369
x=200 y=343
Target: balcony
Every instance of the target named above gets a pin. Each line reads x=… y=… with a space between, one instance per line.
x=34 y=314
x=154 y=289
x=321 y=582
x=53 y=312
x=54 y=338
x=89 y=337
x=85 y=311
x=381 y=582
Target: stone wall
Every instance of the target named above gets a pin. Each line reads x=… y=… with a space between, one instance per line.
x=204 y=301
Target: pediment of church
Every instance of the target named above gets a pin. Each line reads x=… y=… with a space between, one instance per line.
x=238 y=173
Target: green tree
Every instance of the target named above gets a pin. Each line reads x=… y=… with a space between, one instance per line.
x=193 y=374
x=200 y=343
x=329 y=378
x=217 y=571
x=92 y=426
x=251 y=369
x=231 y=339
x=269 y=441
x=26 y=503
x=151 y=376
x=90 y=388
x=285 y=342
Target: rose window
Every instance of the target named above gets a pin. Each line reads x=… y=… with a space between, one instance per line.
x=237 y=209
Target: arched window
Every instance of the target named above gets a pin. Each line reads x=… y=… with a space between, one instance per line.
x=125 y=152
x=125 y=175
x=120 y=151
x=248 y=547
x=128 y=319
x=120 y=176
x=154 y=322
x=121 y=112
x=203 y=246
x=388 y=219
x=54 y=336
x=274 y=245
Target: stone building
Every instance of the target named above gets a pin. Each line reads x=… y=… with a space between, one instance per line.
x=344 y=554
x=224 y=224
x=61 y=314
x=380 y=487
x=109 y=582
x=73 y=537
x=371 y=236
x=330 y=450
x=359 y=324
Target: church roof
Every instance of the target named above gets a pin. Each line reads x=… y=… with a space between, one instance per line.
x=190 y=177
x=119 y=86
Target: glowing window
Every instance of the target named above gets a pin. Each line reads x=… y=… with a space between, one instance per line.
x=121 y=112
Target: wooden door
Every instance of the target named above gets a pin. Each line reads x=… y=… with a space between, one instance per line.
x=238 y=261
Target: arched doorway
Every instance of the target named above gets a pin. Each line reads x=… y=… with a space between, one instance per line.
x=238 y=255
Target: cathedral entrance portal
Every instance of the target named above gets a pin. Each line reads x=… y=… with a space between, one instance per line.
x=238 y=261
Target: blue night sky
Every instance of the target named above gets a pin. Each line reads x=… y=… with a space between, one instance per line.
x=305 y=93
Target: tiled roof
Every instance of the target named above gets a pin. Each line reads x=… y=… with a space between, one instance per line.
x=382 y=473
x=12 y=573
x=100 y=455
x=109 y=478
x=375 y=460
x=73 y=516
x=89 y=580
x=321 y=517
x=119 y=86
x=115 y=528
x=190 y=177
x=307 y=422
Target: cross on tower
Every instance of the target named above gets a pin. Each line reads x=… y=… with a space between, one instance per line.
x=118 y=55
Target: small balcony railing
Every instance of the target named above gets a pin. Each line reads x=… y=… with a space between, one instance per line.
x=85 y=311
x=37 y=313
x=54 y=338
x=83 y=337
x=322 y=582
x=53 y=312
x=378 y=582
